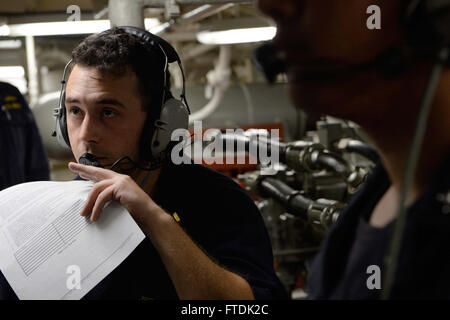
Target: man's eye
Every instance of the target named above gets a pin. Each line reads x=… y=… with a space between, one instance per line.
x=75 y=111
x=109 y=113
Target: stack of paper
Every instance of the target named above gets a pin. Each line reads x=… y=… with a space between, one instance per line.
x=49 y=251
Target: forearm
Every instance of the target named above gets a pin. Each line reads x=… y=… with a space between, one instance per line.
x=193 y=273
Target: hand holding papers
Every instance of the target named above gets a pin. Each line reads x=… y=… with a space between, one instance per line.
x=43 y=237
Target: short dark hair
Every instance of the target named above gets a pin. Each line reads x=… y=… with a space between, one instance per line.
x=114 y=51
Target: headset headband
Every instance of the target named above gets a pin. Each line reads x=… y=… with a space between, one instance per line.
x=168 y=51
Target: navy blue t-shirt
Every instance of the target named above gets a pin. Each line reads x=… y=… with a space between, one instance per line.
x=219 y=216
x=340 y=269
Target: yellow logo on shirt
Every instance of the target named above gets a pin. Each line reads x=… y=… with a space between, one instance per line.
x=11 y=103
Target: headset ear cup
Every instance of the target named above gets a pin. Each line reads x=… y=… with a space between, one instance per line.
x=428 y=25
x=61 y=125
x=174 y=115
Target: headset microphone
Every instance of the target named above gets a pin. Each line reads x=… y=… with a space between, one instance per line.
x=89 y=160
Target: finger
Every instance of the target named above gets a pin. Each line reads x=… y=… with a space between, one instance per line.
x=90 y=201
x=102 y=198
x=83 y=172
x=86 y=176
x=89 y=172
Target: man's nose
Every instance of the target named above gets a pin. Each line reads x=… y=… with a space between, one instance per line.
x=281 y=10
x=89 y=130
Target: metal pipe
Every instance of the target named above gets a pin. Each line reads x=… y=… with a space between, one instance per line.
x=203 y=12
x=332 y=162
x=162 y=3
x=219 y=79
x=126 y=13
x=357 y=146
x=291 y=199
x=195 y=15
x=33 y=80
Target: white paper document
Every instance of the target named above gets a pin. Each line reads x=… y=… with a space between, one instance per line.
x=49 y=251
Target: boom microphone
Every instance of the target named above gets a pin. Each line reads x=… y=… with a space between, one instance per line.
x=89 y=160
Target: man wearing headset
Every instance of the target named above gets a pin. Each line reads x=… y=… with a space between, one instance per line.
x=205 y=238
x=378 y=78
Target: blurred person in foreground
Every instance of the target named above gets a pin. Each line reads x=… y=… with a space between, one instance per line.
x=377 y=78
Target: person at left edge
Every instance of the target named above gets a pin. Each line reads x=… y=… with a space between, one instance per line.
x=22 y=154
x=217 y=247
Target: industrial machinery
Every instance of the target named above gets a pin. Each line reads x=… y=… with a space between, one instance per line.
x=303 y=193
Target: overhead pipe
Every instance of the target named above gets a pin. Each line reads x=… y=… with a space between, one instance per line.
x=195 y=15
x=126 y=13
x=33 y=79
x=218 y=80
x=162 y=3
